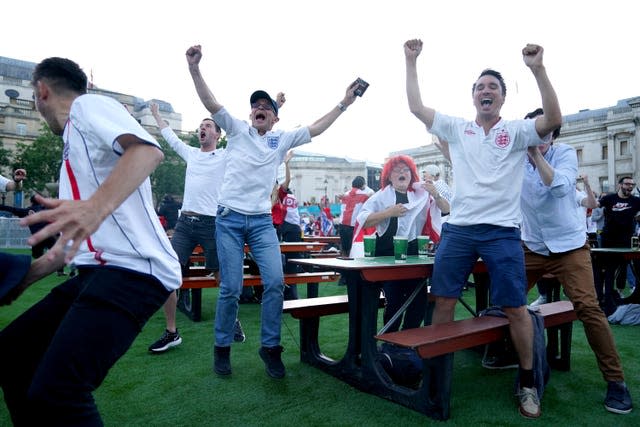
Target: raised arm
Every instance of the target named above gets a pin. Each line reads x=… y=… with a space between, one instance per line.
x=443 y=146
x=412 y=49
x=327 y=120
x=543 y=167
x=552 y=117
x=156 y=115
x=590 y=202
x=78 y=219
x=194 y=55
x=287 y=170
x=18 y=176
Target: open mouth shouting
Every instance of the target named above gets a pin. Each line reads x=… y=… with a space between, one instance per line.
x=486 y=102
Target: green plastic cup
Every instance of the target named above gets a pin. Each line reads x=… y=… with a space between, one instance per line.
x=370 y=245
x=424 y=243
x=400 y=245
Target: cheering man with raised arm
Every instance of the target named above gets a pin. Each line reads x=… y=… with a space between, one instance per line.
x=488 y=155
x=254 y=152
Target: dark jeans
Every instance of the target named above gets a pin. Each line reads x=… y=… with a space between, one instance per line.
x=192 y=231
x=60 y=350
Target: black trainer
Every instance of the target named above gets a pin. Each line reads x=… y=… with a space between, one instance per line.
x=272 y=361
x=222 y=360
x=238 y=333
x=166 y=341
x=618 y=399
x=498 y=356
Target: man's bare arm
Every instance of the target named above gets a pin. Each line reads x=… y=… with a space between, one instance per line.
x=412 y=49
x=194 y=55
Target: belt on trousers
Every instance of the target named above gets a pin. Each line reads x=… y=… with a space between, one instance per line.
x=196 y=218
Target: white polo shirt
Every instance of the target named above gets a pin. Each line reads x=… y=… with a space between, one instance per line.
x=203 y=178
x=3 y=183
x=489 y=168
x=252 y=163
x=131 y=237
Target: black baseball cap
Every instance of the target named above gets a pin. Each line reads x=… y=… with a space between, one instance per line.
x=261 y=94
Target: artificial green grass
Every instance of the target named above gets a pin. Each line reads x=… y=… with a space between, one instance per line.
x=178 y=388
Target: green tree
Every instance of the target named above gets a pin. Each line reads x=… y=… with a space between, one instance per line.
x=4 y=156
x=41 y=158
x=168 y=178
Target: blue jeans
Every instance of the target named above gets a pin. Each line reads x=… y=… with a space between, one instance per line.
x=501 y=251
x=233 y=230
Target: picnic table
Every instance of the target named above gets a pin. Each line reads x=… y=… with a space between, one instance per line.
x=360 y=366
x=190 y=294
x=599 y=256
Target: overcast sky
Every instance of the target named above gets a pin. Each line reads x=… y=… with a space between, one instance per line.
x=313 y=50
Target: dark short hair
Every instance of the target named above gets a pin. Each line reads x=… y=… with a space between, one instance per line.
x=494 y=73
x=61 y=74
x=538 y=112
x=621 y=180
x=358 y=182
x=218 y=129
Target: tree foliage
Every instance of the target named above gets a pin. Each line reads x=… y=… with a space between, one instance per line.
x=4 y=156
x=41 y=159
x=168 y=178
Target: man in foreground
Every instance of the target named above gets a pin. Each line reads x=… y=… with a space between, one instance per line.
x=62 y=348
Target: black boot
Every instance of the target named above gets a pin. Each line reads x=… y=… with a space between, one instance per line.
x=221 y=360
x=272 y=361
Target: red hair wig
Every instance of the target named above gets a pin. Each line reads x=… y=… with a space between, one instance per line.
x=392 y=163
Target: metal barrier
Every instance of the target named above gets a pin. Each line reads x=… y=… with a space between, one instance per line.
x=12 y=234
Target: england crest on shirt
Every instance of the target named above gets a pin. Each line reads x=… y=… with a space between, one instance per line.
x=502 y=139
x=273 y=141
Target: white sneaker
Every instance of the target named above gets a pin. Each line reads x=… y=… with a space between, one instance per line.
x=529 y=402
x=542 y=299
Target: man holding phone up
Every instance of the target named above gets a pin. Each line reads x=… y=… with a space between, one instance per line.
x=254 y=152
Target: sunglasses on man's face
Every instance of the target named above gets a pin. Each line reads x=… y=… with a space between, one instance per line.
x=265 y=106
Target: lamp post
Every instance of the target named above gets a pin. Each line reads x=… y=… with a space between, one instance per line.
x=326 y=199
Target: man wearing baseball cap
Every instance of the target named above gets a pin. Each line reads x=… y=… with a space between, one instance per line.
x=254 y=152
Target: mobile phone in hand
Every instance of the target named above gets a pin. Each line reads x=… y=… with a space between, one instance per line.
x=362 y=86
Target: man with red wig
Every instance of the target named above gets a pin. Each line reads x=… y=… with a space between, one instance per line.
x=402 y=207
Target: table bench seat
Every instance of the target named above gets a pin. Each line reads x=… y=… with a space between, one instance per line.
x=309 y=311
x=190 y=293
x=318 y=307
x=436 y=343
x=199 y=282
x=436 y=340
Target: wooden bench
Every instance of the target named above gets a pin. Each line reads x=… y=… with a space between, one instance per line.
x=190 y=293
x=435 y=340
x=199 y=282
x=435 y=344
x=309 y=311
